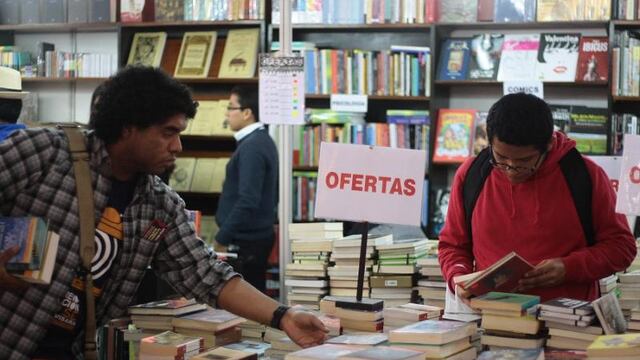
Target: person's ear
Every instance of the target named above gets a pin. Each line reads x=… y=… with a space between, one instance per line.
x=248 y=114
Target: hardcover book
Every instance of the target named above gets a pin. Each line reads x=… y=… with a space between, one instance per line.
x=593 y=60
x=432 y=332
x=101 y=10
x=195 y=55
x=147 y=49
x=515 y=10
x=485 y=56
x=453 y=135
x=454 y=61
x=558 y=56
x=519 y=57
x=9 y=12
x=54 y=11
x=29 y=11
x=239 y=59
x=78 y=11
x=502 y=276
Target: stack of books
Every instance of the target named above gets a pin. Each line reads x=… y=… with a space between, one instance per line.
x=509 y=320
x=407 y=314
x=399 y=258
x=431 y=286
x=38 y=248
x=612 y=347
x=216 y=327
x=395 y=290
x=436 y=339
x=629 y=291
x=343 y=275
x=281 y=344
x=169 y=346
x=252 y=330
x=634 y=321
x=360 y=317
x=608 y=284
x=306 y=276
x=577 y=316
x=158 y=315
x=256 y=347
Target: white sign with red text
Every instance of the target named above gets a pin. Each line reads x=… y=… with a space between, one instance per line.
x=611 y=166
x=629 y=186
x=370 y=183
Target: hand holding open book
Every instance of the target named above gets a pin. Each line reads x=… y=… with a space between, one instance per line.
x=503 y=276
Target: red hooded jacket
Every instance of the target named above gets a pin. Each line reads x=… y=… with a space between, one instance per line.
x=538 y=220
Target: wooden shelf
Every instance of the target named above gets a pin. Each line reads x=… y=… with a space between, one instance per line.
x=62 y=80
x=304 y=168
x=358 y=27
x=238 y=23
x=209 y=80
x=527 y=25
x=373 y=97
x=496 y=83
x=61 y=27
x=626 y=98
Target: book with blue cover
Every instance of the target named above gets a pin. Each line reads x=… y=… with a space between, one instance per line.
x=454 y=61
x=30 y=234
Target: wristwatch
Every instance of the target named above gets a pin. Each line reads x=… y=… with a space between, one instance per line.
x=278 y=314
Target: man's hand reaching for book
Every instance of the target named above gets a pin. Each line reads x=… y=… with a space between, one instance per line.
x=9 y=282
x=548 y=273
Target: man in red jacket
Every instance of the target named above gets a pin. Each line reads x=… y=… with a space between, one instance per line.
x=526 y=206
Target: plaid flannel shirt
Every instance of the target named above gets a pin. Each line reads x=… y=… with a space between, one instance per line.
x=37 y=179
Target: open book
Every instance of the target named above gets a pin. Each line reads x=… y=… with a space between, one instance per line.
x=502 y=276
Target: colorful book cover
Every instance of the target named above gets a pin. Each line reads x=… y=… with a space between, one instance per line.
x=485 y=10
x=432 y=332
x=454 y=61
x=453 y=136
x=507 y=301
x=588 y=128
x=239 y=59
x=515 y=10
x=147 y=49
x=169 y=10
x=627 y=345
x=480 y=137
x=30 y=235
x=195 y=55
x=561 y=117
x=513 y=354
x=518 y=60
x=558 y=56
x=609 y=314
x=593 y=61
x=502 y=276
x=559 y=10
x=485 y=56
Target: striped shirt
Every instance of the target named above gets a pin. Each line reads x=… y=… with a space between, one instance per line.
x=37 y=179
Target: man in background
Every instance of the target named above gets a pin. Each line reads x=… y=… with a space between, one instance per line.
x=11 y=95
x=247 y=208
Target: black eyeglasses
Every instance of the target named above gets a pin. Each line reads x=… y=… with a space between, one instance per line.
x=516 y=169
x=231 y=108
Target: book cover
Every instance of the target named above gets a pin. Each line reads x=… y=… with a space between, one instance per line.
x=29 y=11
x=9 y=12
x=432 y=332
x=558 y=56
x=513 y=354
x=147 y=49
x=223 y=353
x=100 y=10
x=30 y=234
x=54 y=11
x=458 y=11
x=169 y=10
x=561 y=117
x=593 y=60
x=182 y=175
x=568 y=306
x=559 y=10
x=131 y=10
x=485 y=56
x=588 y=128
x=195 y=55
x=170 y=343
x=239 y=59
x=257 y=348
x=453 y=135
x=514 y=10
x=609 y=314
x=504 y=301
x=518 y=60
x=440 y=206
x=208 y=320
x=610 y=346
x=480 y=137
x=324 y=352
x=384 y=353
x=454 y=61
x=167 y=307
x=502 y=276
x=358 y=339
x=77 y=11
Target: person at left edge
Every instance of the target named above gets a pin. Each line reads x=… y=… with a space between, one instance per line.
x=11 y=95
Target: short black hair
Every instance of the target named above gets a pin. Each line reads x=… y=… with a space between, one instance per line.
x=248 y=99
x=138 y=96
x=521 y=120
x=10 y=110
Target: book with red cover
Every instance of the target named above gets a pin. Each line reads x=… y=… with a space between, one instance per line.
x=502 y=276
x=593 y=60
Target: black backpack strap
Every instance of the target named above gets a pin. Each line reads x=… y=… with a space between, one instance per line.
x=474 y=181
x=578 y=179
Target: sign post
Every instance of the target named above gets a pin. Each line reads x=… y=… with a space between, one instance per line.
x=369 y=184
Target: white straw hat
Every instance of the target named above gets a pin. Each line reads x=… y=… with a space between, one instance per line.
x=10 y=84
